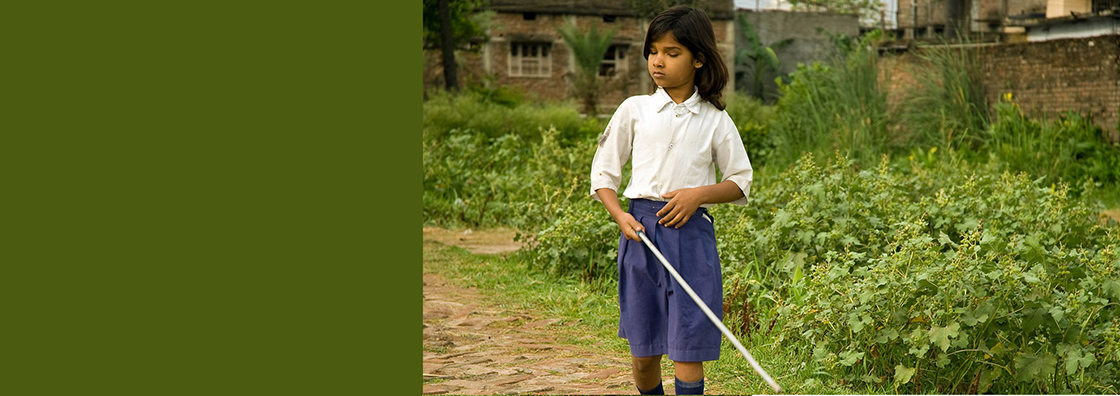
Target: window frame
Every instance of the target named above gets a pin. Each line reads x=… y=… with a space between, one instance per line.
x=540 y=59
x=618 y=64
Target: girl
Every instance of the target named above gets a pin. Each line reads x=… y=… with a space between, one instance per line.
x=674 y=137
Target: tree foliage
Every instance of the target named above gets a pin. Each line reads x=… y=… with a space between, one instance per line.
x=761 y=58
x=466 y=22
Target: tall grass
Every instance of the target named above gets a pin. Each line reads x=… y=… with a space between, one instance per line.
x=837 y=106
x=948 y=108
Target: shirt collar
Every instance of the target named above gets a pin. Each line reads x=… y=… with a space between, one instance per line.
x=664 y=101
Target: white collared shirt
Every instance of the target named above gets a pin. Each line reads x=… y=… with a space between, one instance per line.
x=673 y=146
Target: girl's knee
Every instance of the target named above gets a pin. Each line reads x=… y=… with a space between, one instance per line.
x=647 y=362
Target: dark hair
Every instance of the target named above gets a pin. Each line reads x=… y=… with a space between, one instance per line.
x=693 y=29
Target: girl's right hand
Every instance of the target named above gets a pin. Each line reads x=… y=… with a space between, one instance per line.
x=629 y=226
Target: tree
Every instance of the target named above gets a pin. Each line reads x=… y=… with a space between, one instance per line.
x=449 y=24
x=761 y=57
x=588 y=49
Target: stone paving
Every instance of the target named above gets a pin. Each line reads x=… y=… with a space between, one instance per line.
x=472 y=349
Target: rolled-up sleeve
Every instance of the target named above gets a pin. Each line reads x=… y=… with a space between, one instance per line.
x=731 y=158
x=613 y=151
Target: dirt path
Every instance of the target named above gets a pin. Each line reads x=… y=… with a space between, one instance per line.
x=471 y=348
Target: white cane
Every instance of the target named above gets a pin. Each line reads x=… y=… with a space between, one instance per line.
x=704 y=307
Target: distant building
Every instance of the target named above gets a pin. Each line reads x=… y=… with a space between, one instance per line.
x=1009 y=20
x=525 y=50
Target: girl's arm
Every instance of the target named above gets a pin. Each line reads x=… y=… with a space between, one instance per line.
x=683 y=203
x=626 y=222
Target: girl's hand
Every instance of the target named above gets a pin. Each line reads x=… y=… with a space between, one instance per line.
x=682 y=205
x=629 y=226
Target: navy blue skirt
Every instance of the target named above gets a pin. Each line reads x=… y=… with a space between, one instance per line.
x=657 y=315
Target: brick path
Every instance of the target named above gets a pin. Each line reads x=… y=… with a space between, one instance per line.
x=473 y=349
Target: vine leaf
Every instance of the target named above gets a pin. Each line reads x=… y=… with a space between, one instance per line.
x=1077 y=357
x=940 y=335
x=902 y=374
x=1031 y=367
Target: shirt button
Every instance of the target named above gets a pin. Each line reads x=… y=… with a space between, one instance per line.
x=670 y=145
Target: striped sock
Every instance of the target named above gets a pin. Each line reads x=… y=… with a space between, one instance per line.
x=689 y=388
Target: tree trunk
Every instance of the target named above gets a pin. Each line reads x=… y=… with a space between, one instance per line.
x=447 y=46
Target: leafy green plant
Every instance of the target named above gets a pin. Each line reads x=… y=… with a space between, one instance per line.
x=1069 y=149
x=938 y=278
x=475 y=181
x=761 y=58
x=485 y=113
x=752 y=118
x=582 y=240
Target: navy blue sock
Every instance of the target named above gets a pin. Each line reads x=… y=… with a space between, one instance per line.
x=689 y=388
x=659 y=390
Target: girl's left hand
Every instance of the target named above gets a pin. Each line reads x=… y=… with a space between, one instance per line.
x=682 y=205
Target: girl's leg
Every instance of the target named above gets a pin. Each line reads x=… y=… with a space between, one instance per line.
x=647 y=372
x=689 y=371
x=690 y=377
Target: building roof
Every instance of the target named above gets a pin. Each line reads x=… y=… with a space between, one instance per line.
x=719 y=9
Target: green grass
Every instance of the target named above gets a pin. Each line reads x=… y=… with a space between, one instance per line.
x=589 y=315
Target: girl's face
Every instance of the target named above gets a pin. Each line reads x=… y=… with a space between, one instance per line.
x=672 y=65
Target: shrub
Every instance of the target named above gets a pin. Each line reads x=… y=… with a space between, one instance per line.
x=753 y=119
x=1070 y=149
x=582 y=240
x=473 y=180
x=444 y=112
x=938 y=277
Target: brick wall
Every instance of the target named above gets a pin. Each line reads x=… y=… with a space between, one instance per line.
x=1047 y=78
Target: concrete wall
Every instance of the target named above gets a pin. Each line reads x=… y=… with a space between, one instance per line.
x=808 y=43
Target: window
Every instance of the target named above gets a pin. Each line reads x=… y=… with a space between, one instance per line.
x=609 y=18
x=529 y=16
x=530 y=60
x=614 y=62
x=1105 y=5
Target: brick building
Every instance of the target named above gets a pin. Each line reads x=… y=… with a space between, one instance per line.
x=996 y=20
x=525 y=50
x=927 y=18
